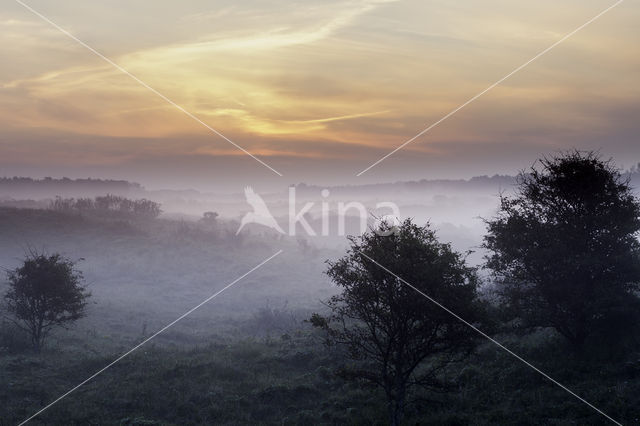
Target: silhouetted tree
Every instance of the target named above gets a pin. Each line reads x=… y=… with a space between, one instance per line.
x=564 y=249
x=45 y=292
x=210 y=220
x=210 y=217
x=398 y=338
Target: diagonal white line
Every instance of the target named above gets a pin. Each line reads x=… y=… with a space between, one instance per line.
x=149 y=338
x=483 y=334
x=142 y=83
x=490 y=87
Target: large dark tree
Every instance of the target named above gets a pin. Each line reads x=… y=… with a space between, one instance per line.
x=396 y=337
x=564 y=248
x=44 y=293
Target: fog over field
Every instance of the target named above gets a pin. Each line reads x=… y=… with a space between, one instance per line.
x=144 y=272
x=148 y=272
x=319 y=212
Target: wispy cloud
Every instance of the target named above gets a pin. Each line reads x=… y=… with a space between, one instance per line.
x=316 y=79
x=281 y=34
x=342 y=117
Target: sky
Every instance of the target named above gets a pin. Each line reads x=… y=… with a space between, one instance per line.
x=317 y=90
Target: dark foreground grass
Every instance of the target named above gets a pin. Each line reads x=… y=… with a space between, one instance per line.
x=292 y=381
x=142 y=279
x=245 y=383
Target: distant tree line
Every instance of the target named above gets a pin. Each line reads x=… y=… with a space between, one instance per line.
x=19 y=180
x=476 y=183
x=38 y=188
x=109 y=205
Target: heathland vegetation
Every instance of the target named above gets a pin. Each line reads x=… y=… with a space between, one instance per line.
x=394 y=331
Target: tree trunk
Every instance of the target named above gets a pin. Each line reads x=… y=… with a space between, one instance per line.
x=37 y=339
x=396 y=408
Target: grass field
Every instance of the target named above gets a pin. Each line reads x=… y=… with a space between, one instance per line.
x=248 y=357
